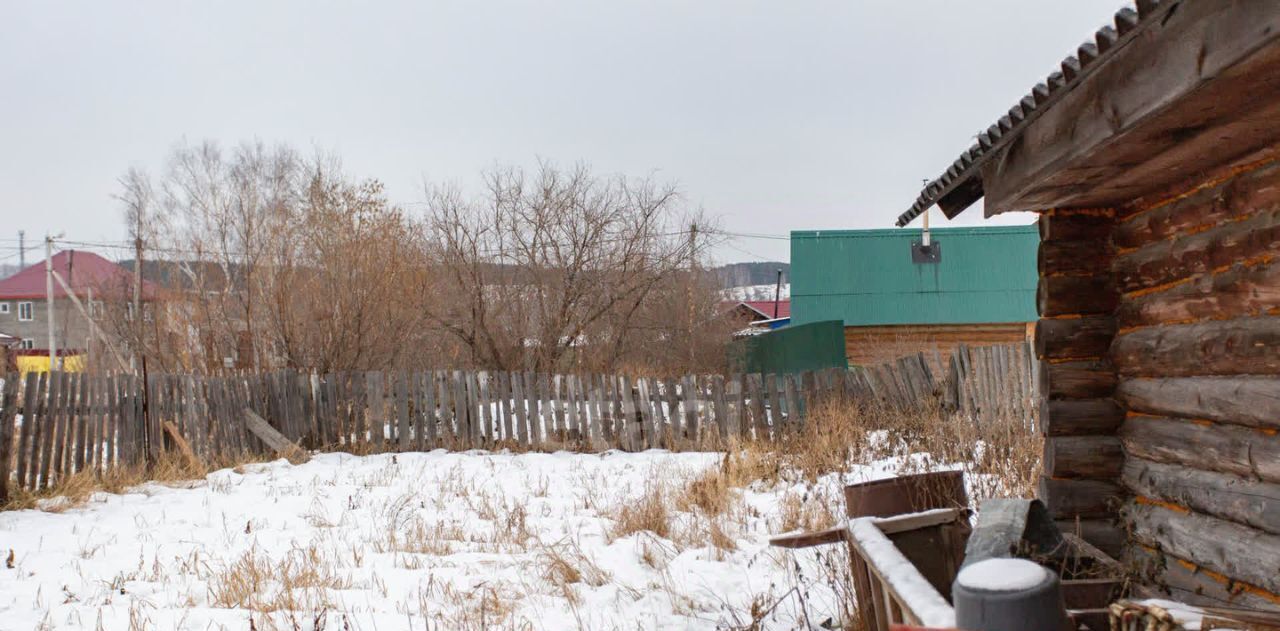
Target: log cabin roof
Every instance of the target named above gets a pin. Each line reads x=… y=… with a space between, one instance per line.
x=961 y=184
x=1175 y=90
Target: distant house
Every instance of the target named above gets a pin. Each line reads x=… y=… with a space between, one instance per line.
x=24 y=305
x=758 y=316
x=974 y=286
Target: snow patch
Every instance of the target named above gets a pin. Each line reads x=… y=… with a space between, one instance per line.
x=1002 y=575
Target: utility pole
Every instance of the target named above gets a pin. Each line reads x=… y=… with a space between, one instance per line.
x=137 y=289
x=693 y=263
x=22 y=249
x=48 y=296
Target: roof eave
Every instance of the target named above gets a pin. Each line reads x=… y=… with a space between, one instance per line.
x=961 y=184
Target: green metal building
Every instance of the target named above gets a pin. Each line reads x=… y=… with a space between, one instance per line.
x=971 y=285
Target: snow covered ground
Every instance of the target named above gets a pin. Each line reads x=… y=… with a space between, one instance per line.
x=423 y=541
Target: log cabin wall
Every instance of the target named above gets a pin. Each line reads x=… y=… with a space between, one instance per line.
x=1197 y=360
x=871 y=345
x=1077 y=301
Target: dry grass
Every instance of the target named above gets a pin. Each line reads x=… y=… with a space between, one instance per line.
x=76 y=489
x=650 y=512
x=299 y=581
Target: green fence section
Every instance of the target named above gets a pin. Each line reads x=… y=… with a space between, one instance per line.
x=812 y=346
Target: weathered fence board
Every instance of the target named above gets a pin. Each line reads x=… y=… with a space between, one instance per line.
x=55 y=425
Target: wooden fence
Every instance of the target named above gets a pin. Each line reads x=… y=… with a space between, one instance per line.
x=53 y=425
x=986 y=385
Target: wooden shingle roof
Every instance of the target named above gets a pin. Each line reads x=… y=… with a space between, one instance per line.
x=961 y=184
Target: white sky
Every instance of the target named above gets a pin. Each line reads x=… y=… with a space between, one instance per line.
x=773 y=115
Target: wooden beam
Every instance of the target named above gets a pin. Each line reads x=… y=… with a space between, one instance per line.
x=1075 y=258
x=1068 y=499
x=1250 y=400
x=1234 y=550
x=1087 y=379
x=1240 y=290
x=1097 y=457
x=1205 y=446
x=1224 y=347
x=1239 y=195
x=1083 y=417
x=1185 y=581
x=1076 y=295
x=1184 y=80
x=1070 y=227
x=1207 y=252
x=1227 y=496
x=274 y=439
x=1074 y=338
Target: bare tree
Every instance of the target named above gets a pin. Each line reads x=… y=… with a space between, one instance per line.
x=275 y=260
x=552 y=270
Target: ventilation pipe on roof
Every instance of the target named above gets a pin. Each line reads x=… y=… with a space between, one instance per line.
x=925 y=250
x=924 y=236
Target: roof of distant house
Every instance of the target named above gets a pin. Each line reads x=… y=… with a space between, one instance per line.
x=765 y=308
x=82 y=270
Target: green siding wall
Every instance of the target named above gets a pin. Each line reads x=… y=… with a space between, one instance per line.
x=867 y=277
x=812 y=346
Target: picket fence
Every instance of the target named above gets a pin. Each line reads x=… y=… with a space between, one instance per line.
x=53 y=425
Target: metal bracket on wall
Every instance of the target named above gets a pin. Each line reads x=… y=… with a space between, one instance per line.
x=931 y=253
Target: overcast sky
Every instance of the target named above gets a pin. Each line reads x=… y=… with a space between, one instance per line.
x=772 y=115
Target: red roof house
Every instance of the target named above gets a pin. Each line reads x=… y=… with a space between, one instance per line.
x=82 y=270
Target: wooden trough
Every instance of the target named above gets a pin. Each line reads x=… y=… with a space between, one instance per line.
x=904 y=564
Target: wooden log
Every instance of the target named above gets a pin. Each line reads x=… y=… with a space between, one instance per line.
x=1226 y=347
x=1075 y=258
x=1074 y=338
x=1234 y=550
x=1072 y=295
x=1184 y=581
x=273 y=439
x=1082 y=417
x=1097 y=457
x=1223 y=495
x=1241 y=290
x=1060 y=226
x=1239 y=196
x=1165 y=262
x=1071 y=498
x=1206 y=446
x=1248 y=400
x=1087 y=379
